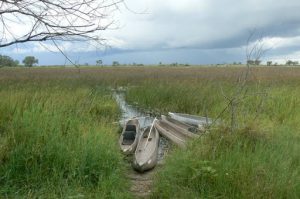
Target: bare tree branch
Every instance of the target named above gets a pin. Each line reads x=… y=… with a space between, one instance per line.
x=55 y=20
x=254 y=51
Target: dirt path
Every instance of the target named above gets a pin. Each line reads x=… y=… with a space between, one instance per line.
x=142 y=183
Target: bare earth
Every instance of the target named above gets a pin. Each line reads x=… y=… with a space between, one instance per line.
x=141 y=183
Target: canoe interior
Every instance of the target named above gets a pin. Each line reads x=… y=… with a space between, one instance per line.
x=147 y=146
x=180 y=124
x=129 y=134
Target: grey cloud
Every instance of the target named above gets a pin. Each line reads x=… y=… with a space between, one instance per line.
x=199 y=31
x=220 y=24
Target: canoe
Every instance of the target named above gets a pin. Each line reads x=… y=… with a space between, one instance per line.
x=191 y=119
x=184 y=128
x=130 y=136
x=171 y=133
x=145 y=156
x=144 y=121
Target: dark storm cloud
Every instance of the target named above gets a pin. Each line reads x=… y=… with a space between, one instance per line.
x=209 y=24
x=202 y=31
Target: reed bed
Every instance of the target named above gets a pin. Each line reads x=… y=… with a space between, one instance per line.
x=257 y=160
x=58 y=140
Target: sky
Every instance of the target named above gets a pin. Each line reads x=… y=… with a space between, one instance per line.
x=184 y=31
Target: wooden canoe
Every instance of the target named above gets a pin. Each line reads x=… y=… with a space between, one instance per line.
x=184 y=128
x=130 y=136
x=191 y=119
x=145 y=156
x=171 y=133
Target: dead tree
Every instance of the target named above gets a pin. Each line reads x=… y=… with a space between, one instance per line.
x=254 y=51
x=55 y=20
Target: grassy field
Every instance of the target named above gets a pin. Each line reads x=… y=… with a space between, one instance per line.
x=258 y=160
x=58 y=140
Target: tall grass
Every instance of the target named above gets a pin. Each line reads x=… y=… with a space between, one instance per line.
x=222 y=165
x=58 y=141
x=260 y=160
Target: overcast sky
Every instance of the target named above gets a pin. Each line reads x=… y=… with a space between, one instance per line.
x=186 y=31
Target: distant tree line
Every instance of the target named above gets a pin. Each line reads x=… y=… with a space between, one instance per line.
x=7 y=61
x=292 y=63
x=172 y=64
x=29 y=61
x=270 y=63
x=117 y=63
x=288 y=63
x=254 y=62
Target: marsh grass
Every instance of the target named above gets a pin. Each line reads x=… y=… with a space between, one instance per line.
x=58 y=141
x=259 y=160
x=57 y=138
x=222 y=165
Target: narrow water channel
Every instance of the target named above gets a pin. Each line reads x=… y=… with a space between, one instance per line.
x=145 y=120
x=129 y=111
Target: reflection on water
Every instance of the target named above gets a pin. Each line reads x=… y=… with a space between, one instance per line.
x=145 y=120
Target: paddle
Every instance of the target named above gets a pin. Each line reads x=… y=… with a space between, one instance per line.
x=150 y=132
